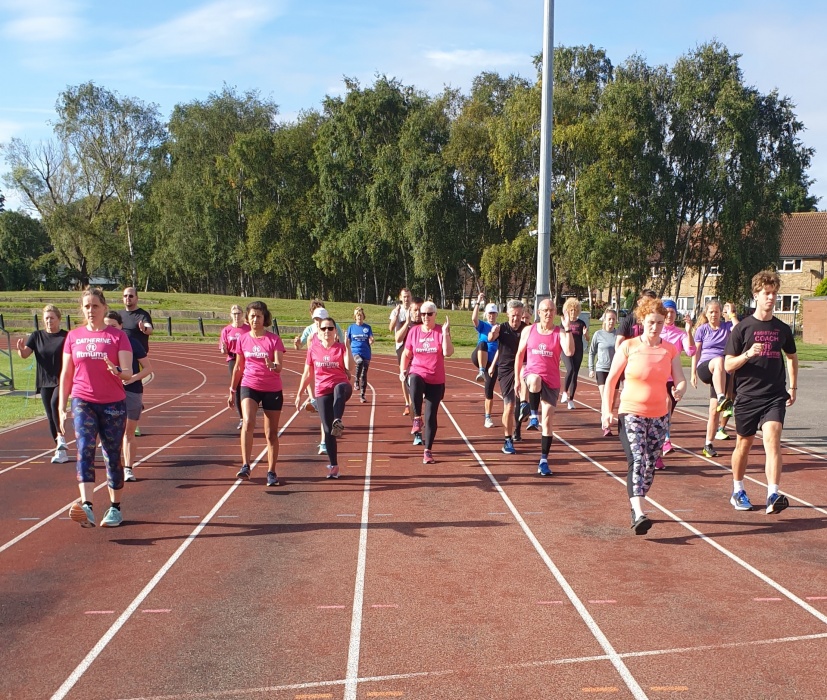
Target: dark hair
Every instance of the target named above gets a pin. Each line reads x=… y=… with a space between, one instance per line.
x=417 y=300
x=116 y=316
x=649 y=293
x=259 y=306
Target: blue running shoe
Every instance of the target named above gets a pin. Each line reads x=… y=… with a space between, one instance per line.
x=524 y=412
x=533 y=423
x=417 y=439
x=776 y=503
x=740 y=500
x=272 y=479
x=82 y=513
x=508 y=447
x=244 y=472
x=542 y=468
x=112 y=518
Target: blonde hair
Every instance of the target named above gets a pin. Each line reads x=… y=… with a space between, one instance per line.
x=93 y=292
x=572 y=303
x=51 y=308
x=766 y=278
x=357 y=310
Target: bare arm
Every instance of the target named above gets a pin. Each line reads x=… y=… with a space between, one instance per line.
x=67 y=377
x=146 y=370
x=792 y=370
x=23 y=351
x=447 y=344
x=519 y=361
x=618 y=366
x=307 y=377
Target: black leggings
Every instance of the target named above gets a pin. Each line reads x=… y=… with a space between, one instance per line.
x=330 y=407
x=362 y=366
x=231 y=367
x=49 y=395
x=572 y=368
x=433 y=395
x=490 y=381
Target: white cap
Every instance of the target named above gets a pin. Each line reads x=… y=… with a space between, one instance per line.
x=492 y=309
x=321 y=313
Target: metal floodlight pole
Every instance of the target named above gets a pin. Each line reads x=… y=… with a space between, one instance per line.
x=546 y=119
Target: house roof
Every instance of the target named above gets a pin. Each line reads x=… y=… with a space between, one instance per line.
x=804 y=235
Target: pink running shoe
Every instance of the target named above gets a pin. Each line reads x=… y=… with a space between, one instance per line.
x=667 y=447
x=659 y=464
x=607 y=432
x=417 y=426
x=427 y=457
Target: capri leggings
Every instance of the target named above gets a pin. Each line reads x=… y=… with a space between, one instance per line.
x=433 y=395
x=642 y=440
x=330 y=407
x=572 y=369
x=231 y=367
x=49 y=396
x=104 y=420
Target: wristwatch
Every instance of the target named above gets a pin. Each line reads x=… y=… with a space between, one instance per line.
x=118 y=369
x=565 y=330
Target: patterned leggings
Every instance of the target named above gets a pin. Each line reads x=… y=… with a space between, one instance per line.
x=107 y=420
x=642 y=440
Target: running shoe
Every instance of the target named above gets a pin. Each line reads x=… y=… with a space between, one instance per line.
x=642 y=525
x=61 y=442
x=508 y=447
x=244 y=472
x=128 y=474
x=488 y=422
x=332 y=472
x=60 y=456
x=533 y=423
x=659 y=463
x=356 y=385
x=570 y=405
x=322 y=448
x=721 y=434
x=416 y=426
x=310 y=406
x=240 y=425
x=564 y=397
x=776 y=503
x=740 y=500
x=517 y=437
x=524 y=412
x=667 y=447
x=407 y=410
x=337 y=428
x=728 y=412
x=82 y=513
x=272 y=479
x=427 y=457
x=542 y=468
x=607 y=432
x=709 y=451
x=480 y=375
x=417 y=439
x=362 y=399
x=137 y=433
x=112 y=517
x=723 y=404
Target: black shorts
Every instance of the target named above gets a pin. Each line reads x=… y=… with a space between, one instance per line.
x=507 y=384
x=269 y=400
x=549 y=395
x=705 y=375
x=601 y=378
x=751 y=415
x=482 y=345
x=399 y=352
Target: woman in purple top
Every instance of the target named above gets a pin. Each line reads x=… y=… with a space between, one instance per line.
x=708 y=364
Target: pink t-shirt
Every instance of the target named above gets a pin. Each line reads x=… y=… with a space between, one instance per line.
x=256 y=352
x=328 y=365
x=229 y=337
x=543 y=356
x=92 y=381
x=428 y=361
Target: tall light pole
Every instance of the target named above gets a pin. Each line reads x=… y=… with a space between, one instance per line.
x=546 y=119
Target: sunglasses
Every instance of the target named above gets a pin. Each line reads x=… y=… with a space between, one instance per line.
x=427 y=313
x=327 y=328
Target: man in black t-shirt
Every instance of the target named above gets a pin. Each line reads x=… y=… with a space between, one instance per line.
x=137 y=323
x=508 y=336
x=754 y=355
x=630 y=327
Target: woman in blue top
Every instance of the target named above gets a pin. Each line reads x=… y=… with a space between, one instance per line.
x=359 y=340
x=484 y=353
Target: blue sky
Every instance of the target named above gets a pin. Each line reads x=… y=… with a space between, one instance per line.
x=297 y=52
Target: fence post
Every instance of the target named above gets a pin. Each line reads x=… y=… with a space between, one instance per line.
x=68 y=322
x=201 y=326
x=276 y=326
x=169 y=326
x=36 y=323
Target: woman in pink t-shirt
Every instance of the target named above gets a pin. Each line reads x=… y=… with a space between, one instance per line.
x=96 y=360
x=328 y=366
x=423 y=363
x=226 y=346
x=257 y=379
x=643 y=419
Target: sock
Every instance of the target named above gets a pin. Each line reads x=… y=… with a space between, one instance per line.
x=487 y=416
x=709 y=444
x=545 y=445
x=772 y=489
x=534 y=401
x=116 y=506
x=720 y=396
x=738 y=485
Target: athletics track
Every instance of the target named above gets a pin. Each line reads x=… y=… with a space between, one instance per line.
x=470 y=578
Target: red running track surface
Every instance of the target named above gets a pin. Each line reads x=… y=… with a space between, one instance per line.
x=469 y=578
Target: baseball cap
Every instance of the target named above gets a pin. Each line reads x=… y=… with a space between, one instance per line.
x=491 y=309
x=670 y=304
x=321 y=313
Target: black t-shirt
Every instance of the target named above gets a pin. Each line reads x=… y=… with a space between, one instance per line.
x=130 y=325
x=762 y=377
x=138 y=353
x=48 y=351
x=509 y=341
x=629 y=327
x=578 y=328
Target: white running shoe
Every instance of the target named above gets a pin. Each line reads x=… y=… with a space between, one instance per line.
x=488 y=422
x=564 y=397
x=128 y=474
x=61 y=442
x=240 y=425
x=570 y=404
x=60 y=456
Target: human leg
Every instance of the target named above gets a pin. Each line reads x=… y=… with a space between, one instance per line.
x=271 y=435
x=433 y=395
x=325 y=406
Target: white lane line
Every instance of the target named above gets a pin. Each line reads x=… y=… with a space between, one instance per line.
x=708 y=539
x=93 y=654
x=612 y=655
x=354 y=645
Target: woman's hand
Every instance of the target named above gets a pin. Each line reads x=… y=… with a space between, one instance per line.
x=606 y=420
x=694 y=379
x=447 y=325
x=591 y=374
x=298 y=400
x=231 y=399
x=677 y=393
x=112 y=367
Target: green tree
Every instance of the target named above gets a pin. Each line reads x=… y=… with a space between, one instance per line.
x=23 y=243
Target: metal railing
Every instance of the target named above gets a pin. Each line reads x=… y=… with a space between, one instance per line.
x=7 y=381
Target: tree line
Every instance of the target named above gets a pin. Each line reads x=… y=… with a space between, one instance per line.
x=683 y=167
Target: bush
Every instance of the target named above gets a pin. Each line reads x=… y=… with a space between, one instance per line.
x=821 y=289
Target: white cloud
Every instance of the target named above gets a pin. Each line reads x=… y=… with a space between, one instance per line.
x=473 y=58
x=40 y=22
x=220 y=28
